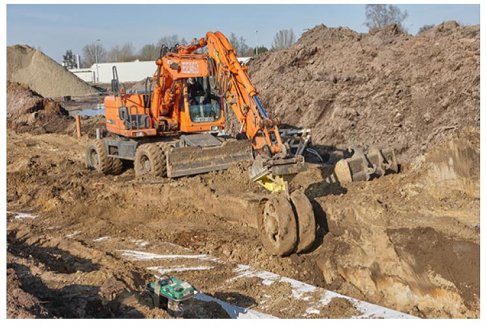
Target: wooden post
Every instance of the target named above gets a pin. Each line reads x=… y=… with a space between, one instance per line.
x=78 y=126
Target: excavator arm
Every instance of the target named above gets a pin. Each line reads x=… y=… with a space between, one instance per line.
x=273 y=159
x=242 y=97
x=240 y=94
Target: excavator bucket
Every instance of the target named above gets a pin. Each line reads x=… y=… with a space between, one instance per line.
x=191 y=160
x=366 y=166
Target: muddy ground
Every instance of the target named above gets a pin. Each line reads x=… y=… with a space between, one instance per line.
x=81 y=244
x=401 y=241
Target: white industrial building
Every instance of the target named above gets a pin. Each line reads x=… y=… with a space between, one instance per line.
x=102 y=73
x=127 y=71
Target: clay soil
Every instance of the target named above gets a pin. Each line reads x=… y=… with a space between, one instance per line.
x=385 y=88
x=409 y=241
x=401 y=241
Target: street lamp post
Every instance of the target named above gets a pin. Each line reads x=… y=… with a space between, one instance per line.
x=96 y=60
x=256 y=50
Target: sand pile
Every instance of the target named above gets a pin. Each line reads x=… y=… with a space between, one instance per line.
x=42 y=74
x=28 y=111
x=385 y=88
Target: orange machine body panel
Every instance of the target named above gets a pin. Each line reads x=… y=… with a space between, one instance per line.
x=169 y=110
x=175 y=105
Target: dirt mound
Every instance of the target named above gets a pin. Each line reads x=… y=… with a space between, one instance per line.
x=385 y=88
x=28 y=111
x=452 y=165
x=42 y=74
x=405 y=239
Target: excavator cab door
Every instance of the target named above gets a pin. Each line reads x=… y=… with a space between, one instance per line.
x=203 y=110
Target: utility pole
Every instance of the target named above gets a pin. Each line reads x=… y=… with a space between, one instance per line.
x=96 y=60
x=256 y=50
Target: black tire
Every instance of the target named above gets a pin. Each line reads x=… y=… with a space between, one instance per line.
x=149 y=160
x=306 y=222
x=116 y=166
x=97 y=159
x=164 y=147
x=278 y=227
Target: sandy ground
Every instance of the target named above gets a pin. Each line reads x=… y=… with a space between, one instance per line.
x=400 y=241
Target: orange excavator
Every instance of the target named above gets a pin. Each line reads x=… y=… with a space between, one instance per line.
x=176 y=127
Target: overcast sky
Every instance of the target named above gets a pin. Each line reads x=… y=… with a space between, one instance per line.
x=57 y=28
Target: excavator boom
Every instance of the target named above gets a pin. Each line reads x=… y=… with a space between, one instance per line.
x=273 y=158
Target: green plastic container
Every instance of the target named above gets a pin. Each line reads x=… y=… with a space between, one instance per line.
x=172 y=288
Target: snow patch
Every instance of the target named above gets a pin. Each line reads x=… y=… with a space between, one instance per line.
x=142 y=255
x=101 y=239
x=233 y=311
x=72 y=235
x=268 y=278
x=23 y=215
x=140 y=243
x=164 y=270
x=299 y=289
x=311 y=311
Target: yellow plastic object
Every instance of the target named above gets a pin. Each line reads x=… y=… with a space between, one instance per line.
x=274 y=184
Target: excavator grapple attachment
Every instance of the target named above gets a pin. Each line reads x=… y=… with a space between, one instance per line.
x=273 y=173
x=366 y=166
x=191 y=160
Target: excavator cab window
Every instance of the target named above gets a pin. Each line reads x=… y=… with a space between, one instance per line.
x=204 y=106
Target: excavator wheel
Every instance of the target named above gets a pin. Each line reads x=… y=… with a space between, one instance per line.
x=116 y=166
x=149 y=160
x=97 y=159
x=164 y=147
x=277 y=226
x=305 y=220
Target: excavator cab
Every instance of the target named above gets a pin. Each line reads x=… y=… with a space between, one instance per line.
x=204 y=105
x=201 y=108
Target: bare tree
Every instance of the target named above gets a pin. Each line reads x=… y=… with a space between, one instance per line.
x=379 y=16
x=239 y=43
x=169 y=40
x=259 y=50
x=425 y=28
x=93 y=52
x=149 y=52
x=121 y=54
x=283 y=39
x=69 y=60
